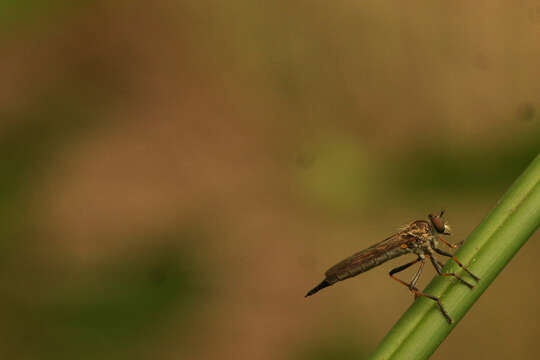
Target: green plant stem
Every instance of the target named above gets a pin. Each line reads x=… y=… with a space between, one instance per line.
x=486 y=252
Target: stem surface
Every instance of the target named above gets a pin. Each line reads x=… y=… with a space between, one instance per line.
x=485 y=252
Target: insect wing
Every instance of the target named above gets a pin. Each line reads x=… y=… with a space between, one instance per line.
x=366 y=258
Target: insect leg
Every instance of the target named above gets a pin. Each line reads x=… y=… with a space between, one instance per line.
x=444 y=253
x=448 y=318
x=417 y=275
x=449 y=244
x=400 y=269
x=438 y=267
x=413 y=289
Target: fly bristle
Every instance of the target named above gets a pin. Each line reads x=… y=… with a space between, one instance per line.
x=404 y=227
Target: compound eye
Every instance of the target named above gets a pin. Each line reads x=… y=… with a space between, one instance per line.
x=438 y=223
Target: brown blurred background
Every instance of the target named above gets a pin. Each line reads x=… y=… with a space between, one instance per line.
x=175 y=175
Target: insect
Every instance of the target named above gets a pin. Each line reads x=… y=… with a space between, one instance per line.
x=419 y=237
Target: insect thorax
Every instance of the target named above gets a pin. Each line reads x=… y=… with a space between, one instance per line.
x=425 y=236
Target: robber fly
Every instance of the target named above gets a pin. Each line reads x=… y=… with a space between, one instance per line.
x=419 y=237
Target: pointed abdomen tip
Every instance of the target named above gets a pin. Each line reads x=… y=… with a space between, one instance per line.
x=322 y=285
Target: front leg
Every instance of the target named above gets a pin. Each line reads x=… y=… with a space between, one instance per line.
x=449 y=244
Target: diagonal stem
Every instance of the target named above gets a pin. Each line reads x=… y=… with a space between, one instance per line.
x=486 y=252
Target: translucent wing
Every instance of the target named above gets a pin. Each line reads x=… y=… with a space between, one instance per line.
x=370 y=257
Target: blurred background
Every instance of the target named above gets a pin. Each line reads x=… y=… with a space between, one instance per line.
x=175 y=175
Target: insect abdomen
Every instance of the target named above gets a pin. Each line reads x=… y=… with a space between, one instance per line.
x=362 y=262
x=322 y=285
